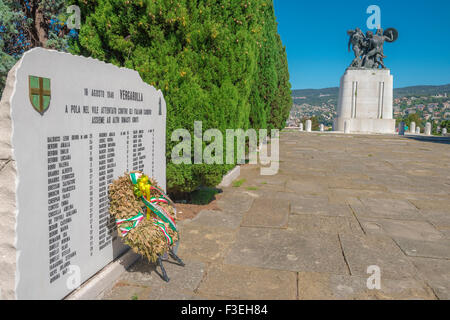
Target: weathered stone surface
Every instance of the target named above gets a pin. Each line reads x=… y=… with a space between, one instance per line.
x=324 y=224
x=362 y=252
x=384 y=208
x=319 y=176
x=445 y=232
x=8 y=175
x=318 y=206
x=7 y=225
x=126 y=291
x=287 y=250
x=432 y=205
x=206 y=244
x=439 y=218
x=144 y=281
x=267 y=212
x=231 y=220
x=235 y=202
x=439 y=249
x=436 y=272
x=415 y=230
x=6 y=150
x=324 y=286
x=305 y=187
x=249 y=283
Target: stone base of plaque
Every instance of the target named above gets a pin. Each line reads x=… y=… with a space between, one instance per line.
x=365 y=102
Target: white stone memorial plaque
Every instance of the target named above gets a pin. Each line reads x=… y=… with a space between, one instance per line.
x=70 y=125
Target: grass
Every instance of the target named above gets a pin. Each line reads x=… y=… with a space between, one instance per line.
x=252 y=188
x=238 y=183
x=135 y=297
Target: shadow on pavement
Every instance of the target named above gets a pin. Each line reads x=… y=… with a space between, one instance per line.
x=434 y=139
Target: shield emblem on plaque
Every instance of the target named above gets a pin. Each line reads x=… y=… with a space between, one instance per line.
x=40 y=95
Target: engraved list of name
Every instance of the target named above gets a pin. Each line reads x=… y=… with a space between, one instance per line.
x=77 y=124
x=112 y=138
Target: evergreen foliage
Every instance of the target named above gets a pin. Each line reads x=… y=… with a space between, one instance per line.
x=219 y=62
x=25 y=24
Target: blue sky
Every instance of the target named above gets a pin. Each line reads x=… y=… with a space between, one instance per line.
x=315 y=36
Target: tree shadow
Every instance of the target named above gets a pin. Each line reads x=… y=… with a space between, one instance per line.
x=433 y=139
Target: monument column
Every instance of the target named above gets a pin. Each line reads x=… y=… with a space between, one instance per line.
x=366 y=89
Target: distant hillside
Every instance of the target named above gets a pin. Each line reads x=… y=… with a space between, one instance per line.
x=319 y=96
x=422 y=91
x=315 y=96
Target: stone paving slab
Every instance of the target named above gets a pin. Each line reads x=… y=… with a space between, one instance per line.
x=439 y=218
x=339 y=204
x=305 y=187
x=143 y=280
x=441 y=205
x=267 y=212
x=445 y=232
x=249 y=283
x=233 y=201
x=428 y=249
x=287 y=250
x=207 y=244
x=362 y=252
x=436 y=272
x=125 y=291
x=319 y=206
x=213 y=218
x=325 y=286
x=384 y=208
x=324 y=224
x=414 y=230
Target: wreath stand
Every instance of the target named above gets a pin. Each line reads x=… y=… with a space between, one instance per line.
x=165 y=258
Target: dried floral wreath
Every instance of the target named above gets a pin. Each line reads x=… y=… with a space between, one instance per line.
x=145 y=217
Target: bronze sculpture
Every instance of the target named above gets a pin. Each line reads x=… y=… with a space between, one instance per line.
x=368 y=48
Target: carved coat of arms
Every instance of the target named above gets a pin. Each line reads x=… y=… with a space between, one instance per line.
x=40 y=94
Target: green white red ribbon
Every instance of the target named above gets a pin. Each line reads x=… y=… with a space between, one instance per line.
x=162 y=226
x=152 y=204
x=161 y=213
x=136 y=220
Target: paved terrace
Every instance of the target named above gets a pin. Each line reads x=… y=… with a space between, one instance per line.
x=339 y=204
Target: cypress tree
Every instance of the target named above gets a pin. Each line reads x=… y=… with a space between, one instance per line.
x=25 y=24
x=219 y=62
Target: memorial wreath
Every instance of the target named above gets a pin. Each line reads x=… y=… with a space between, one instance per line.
x=145 y=217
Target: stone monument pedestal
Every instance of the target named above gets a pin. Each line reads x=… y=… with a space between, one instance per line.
x=365 y=101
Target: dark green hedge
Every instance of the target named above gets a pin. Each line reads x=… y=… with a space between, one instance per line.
x=220 y=62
